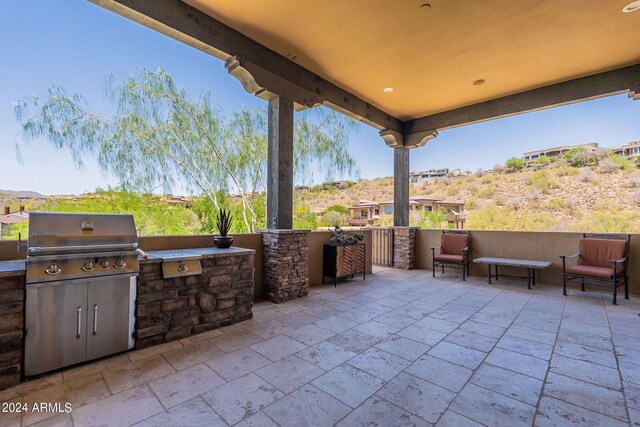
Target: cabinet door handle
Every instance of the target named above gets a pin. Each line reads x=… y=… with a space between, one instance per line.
x=78 y=321
x=95 y=319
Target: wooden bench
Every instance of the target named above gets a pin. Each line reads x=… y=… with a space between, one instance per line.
x=530 y=265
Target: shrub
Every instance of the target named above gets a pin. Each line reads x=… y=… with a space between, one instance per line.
x=445 y=180
x=487 y=179
x=637 y=162
x=566 y=170
x=635 y=197
x=556 y=204
x=497 y=218
x=578 y=157
x=486 y=192
x=332 y=219
x=514 y=163
x=514 y=203
x=542 y=181
x=337 y=208
x=470 y=203
x=633 y=180
x=534 y=194
x=498 y=168
x=479 y=172
x=609 y=166
x=587 y=175
x=623 y=162
x=542 y=161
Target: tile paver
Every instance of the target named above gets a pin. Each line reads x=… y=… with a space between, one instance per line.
x=400 y=349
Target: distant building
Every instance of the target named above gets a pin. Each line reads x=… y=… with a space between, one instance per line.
x=630 y=151
x=367 y=212
x=420 y=177
x=12 y=218
x=557 y=152
x=335 y=184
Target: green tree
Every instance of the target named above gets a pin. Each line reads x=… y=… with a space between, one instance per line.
x=637 y=162
x=514 y=163
x=542 y=160
x=158 y=135
x=337 y=208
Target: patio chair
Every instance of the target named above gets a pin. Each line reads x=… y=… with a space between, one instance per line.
x=453 y=251
x=601 y=261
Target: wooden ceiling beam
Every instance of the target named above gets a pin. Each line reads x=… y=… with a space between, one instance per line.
x=621 y=80
x=261 y=70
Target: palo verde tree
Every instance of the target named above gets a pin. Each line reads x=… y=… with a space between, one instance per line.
x=158 y=135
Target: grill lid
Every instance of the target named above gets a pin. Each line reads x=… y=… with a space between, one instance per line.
x=56 y=233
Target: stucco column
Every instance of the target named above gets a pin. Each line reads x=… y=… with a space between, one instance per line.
x=400 y=187
x=280 y=164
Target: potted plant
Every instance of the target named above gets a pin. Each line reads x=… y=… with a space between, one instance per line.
x=223 y=223
x=339 y=237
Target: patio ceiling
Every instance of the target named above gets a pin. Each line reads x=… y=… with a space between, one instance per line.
x=530 y=54
x=431 y=56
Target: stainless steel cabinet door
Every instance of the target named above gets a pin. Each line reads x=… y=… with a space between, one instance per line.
x=108 y=316
x=56 y=321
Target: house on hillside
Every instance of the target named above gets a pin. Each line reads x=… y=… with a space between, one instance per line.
x=420 y=177
x=367 y=212
x=630 y=151
x=556 y=152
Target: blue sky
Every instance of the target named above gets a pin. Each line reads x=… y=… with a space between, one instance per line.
x=76 y=44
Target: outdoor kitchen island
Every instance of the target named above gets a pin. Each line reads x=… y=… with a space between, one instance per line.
x=173 y=308
x=166 y=309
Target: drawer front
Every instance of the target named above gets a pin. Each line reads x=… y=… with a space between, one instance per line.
x=190 y=267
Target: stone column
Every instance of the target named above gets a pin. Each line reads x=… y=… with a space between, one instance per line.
x=400 y=187
x=280 y=164
x=404 y=247
x=285 y=262
x=11 y=327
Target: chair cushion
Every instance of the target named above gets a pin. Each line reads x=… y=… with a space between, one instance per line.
x=449 y=258
x=453 y=244
x=600 y=252
x=587 y=270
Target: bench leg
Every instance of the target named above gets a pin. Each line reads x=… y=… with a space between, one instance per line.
x=582 y=284
x=564 y=285
x=464 y=271
x=528 y=278
x=489 y=265
x=615 y=292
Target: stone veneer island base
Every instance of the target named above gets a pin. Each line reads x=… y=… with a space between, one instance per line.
x=171 y=309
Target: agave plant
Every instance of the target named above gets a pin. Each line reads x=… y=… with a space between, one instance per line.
x=224 y=222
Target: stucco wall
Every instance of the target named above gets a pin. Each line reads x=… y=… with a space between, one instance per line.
x=319 y=238
x=542 y=246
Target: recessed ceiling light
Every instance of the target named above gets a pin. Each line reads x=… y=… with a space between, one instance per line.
x=425 y=7
x=478 y=82
x=387 y=90
x=632 y=7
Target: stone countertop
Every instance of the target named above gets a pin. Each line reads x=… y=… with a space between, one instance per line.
x=212 y=252
x=12 y=268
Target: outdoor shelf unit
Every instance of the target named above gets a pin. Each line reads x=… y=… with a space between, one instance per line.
x=343 y=261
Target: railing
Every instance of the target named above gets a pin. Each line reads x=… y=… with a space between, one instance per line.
x=382 y=246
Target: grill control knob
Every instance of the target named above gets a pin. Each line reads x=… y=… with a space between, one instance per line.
x=120 y=263
x=105 y=265
x=53 y=269
x=88 y=266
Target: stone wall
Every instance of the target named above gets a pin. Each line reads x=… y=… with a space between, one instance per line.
x=404 y=247
x=285 y=269
x=170 y=309
x=11 y=329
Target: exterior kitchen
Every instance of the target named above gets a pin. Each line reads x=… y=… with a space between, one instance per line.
x=89 y=288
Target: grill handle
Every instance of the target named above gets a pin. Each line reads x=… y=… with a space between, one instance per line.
x=44 y=250
x=78 y=321
x=95 y=319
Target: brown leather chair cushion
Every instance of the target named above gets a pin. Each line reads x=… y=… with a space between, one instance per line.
x=600 y=252
x=587 y=270
x=449 y=258
x=453 y=244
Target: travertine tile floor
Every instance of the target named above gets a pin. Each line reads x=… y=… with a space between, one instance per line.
x=399 y=349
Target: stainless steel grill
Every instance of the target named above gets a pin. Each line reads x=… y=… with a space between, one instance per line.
x=81 y=287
